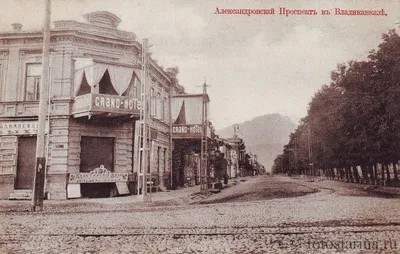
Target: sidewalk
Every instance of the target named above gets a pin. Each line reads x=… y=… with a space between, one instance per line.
x=167 y=198
x=157 y=200
x=384 y=191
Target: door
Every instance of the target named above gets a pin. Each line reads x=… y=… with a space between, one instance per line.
x=96 y=151
x=26 y=162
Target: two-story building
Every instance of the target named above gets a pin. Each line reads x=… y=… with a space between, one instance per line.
x=188 y=124
x=93 y=107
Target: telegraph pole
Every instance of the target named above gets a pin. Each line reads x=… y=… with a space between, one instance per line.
x=170 y=138
x=310 y=156
x=204 y=140
x=235 y=139
x=144 y=130
x=38 y=182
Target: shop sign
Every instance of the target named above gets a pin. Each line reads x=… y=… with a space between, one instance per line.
x=115 y=102
x=122 y=188
x=98 y=175
x=106 y=103
x=20 y=128
x=187 y=131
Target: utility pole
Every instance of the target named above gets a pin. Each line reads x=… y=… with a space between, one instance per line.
x=235 y=138
x=310 y=156
x=144 y=130
x=170 y=137
x=204 y=140
x=38 y=182
x=295 y=155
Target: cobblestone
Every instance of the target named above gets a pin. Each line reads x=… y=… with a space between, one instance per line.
x=324 y=222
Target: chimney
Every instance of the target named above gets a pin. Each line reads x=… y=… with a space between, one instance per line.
x=17 y=27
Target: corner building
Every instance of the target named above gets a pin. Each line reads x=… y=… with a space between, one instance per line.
x=94 y=103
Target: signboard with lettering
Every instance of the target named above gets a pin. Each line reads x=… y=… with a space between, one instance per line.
x=122 y=188
x=105 y=103
x=74 y=190
x=186 y=110
x=186 y=131
x=98 y=175
x=20 y=128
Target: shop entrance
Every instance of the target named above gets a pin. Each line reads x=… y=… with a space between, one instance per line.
x=97 y=151
x=26 y=163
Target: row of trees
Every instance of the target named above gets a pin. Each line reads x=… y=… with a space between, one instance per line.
x=353 y=124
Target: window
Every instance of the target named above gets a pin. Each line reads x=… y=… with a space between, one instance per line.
x=158 y=106
x=152 y=103
x=165 y=109
x=33 y=74
x=148 y=163
x=158 y=160
x=165 y=160
x=1 y=82
x=162 y=109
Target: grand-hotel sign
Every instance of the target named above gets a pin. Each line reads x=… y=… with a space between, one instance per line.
x=187 y=131
x=92 y=103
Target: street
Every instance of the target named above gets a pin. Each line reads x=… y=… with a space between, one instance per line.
x=264 y=214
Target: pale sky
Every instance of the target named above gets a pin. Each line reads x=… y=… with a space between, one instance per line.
x=254 y=65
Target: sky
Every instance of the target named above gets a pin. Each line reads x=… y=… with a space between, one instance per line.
x=254 y=65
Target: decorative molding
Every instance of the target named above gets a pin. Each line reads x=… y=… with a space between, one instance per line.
x=94 y=29
x=4 y=54
x=68 y=38
x=154 y=74
x=103 y=18
x=116 y=47
x=98 y=175
x=24 y=53
x=101 y=57
x=160 y=126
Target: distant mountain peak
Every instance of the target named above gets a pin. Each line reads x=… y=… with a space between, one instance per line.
x=264 y=135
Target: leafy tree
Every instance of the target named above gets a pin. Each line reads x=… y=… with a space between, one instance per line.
x=353 y=121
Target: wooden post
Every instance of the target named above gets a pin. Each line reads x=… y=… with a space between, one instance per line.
x=38 y=182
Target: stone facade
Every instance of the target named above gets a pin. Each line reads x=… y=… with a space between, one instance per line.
x=98 y=40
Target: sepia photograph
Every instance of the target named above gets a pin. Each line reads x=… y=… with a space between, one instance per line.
x=199 y=126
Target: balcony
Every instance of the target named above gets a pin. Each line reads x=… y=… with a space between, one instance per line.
x=105 y=105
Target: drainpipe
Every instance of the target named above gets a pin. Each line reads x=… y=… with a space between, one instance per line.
x=170 y=135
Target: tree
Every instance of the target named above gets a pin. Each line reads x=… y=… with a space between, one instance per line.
x=353 y=121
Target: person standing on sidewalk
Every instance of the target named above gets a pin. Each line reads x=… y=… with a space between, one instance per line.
x=220 y=168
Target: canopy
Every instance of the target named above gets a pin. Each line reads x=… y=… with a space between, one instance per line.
x=192 y=108
x=120 y=75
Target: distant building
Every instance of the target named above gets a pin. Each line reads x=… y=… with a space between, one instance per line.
x=237 y=155
x=226 y=149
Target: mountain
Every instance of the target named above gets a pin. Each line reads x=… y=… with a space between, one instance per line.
x=264 y=136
